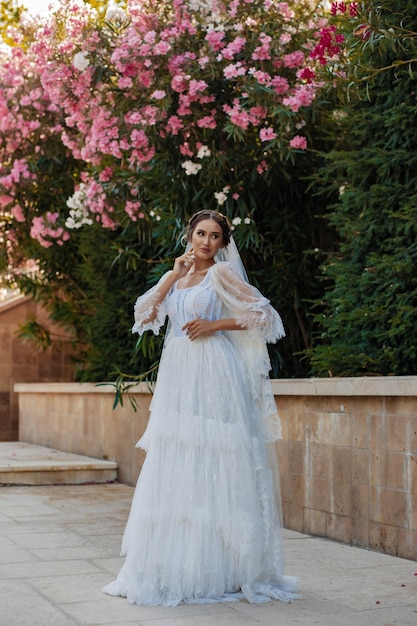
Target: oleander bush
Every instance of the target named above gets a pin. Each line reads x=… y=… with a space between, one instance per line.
x=118 y=123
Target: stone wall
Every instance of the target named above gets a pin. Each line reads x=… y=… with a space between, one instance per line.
x=348 y=460
x=80 y=418
x=22 y=362
x=348 y=457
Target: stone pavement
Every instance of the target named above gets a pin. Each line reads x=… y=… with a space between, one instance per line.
x=59 y=545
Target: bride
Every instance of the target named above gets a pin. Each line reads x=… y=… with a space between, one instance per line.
x=205 y=522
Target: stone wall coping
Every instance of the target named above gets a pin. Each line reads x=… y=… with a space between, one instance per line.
x=387 y=386
x=78 y=388
x=12 y=301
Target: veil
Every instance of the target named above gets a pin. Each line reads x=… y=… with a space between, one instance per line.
x=230 y=254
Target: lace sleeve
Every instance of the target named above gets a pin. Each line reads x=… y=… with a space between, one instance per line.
x=260 y=323
x=246 y=304
x=148 y=314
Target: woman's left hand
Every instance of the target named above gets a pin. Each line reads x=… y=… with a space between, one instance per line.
x=198 y=328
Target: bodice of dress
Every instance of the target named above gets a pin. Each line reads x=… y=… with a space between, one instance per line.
x=198 y=302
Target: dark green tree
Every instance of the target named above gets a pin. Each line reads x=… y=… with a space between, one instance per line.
x=368 y=316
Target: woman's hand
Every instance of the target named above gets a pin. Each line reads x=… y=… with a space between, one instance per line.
x=199 y=328
x=183 y=264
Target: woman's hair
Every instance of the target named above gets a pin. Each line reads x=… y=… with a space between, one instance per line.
x=221 y=220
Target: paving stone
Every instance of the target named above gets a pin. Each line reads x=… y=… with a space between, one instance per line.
x=60 y=544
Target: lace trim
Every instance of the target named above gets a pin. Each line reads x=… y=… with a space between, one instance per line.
x=246 y=304
x=147 y=306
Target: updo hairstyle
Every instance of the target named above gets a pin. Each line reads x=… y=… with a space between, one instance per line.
x=205 y=214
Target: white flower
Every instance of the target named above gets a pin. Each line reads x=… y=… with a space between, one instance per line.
x=236 y=221
x=77 y=200
x=191 y=168
x=158 y=94
x=80 y=61
x=116 y=14
x=78 y=216
x=77 y=219
x=203 y=152
x=247 y=220
x=220 y=196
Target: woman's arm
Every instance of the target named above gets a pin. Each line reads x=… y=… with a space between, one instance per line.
x=200 y=328
x=249 y=309
x=147 y=306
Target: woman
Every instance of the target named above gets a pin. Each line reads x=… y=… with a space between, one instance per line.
x=205 y=519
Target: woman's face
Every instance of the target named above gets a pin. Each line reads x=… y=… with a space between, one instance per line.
x=206 y=239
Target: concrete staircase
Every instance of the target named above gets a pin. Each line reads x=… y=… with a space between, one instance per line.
x=28 y=464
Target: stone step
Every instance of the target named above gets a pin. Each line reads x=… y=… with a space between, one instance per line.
x=29 y=464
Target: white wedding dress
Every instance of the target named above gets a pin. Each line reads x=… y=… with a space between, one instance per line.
x=205 y=523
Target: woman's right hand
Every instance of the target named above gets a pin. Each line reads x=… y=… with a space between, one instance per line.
x=183 y=264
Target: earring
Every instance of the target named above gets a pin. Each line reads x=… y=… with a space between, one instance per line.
x=184 y=241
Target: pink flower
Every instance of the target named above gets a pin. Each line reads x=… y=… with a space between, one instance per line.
x=184 y=105
x=294 y=59
x=197 y=85
x=179 y=83
x=215 y=39
x=328 y=46
x=238 y=116
x=267 y=134
x=17 y=213
x=233 y=48
x=262 y=167
x=280 y=84
x=263 y=78
x=298 y=142
x=138 y=138
x=106 y=174
x=341 y=7
x=185 y=150
x=52 y=217
x=302 y=96
x=306 y=74
x=131 y=209
x=174 y=125
x=5 y=200
x=125 y=82
x=43 y=230
x=285 y=10
x=107 y=221
x=162 y=47
x=208 y=121
x=262 y=52
x=158 y=94
x=257 y=114
x=285 y=38
x=233 y=70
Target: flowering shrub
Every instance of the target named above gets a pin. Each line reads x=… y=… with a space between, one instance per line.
x=132 y=118
x=184 y=94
